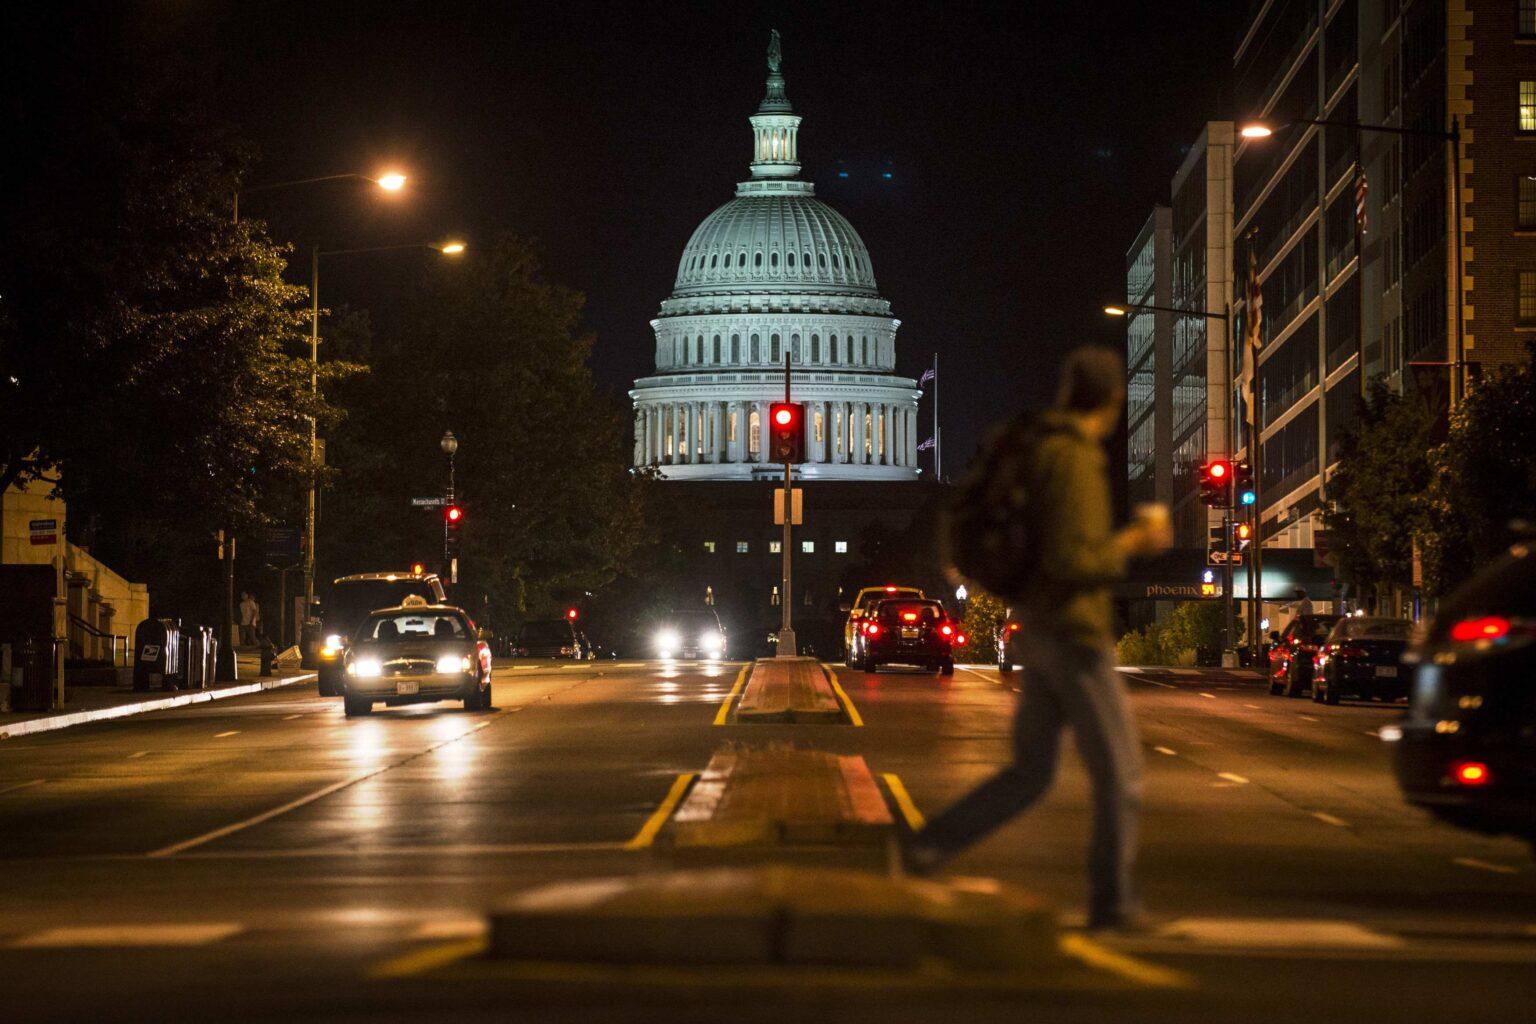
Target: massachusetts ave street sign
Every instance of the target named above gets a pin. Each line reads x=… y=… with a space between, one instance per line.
x=44 y=531
x=428 y=502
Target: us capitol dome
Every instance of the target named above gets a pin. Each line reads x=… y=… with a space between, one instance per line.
x=775 y=272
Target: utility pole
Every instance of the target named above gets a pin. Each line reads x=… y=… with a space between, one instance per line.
x=786 y=647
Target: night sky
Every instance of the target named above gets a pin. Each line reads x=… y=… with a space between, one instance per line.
x=1026 y=144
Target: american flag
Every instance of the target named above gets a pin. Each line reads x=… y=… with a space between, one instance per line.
x=926 y=445
x=928 y=375
x=1361 y=188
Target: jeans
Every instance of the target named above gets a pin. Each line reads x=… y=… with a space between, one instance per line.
x=248 y=635
x=1064 y=685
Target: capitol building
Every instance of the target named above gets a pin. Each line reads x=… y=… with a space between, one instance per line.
x=775 y=274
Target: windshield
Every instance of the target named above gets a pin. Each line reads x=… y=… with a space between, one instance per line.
x=1374 y=629
x=412 y=625
x=546 y=631
x=693 y=622
x=925 y=612
x=352 y=600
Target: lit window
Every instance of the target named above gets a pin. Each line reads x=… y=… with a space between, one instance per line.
x=775 y=547
x=709 y=595
x=709 y=546
x=817 y=421
x=840 y=547
x=808 y=547
x=775 y=598
x=1528 y=106
x=742 y=547
x=754 y=432
x=1527 y=313
x=1527 y=211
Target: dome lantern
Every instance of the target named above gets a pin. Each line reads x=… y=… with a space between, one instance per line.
x=775 y=126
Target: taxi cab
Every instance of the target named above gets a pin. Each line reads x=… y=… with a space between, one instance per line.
x=416 y=653
x=853 y=654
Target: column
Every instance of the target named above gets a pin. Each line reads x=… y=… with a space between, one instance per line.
x=911 y=435
x=845 y=428
x=858 y=433
x=679 y=422
x=898 y=446
x=826 y=431
x=722 y=432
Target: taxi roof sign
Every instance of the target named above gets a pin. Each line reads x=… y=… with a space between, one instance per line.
x=413 y=601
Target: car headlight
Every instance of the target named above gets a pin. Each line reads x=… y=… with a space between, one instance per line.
x=666 y=640
x=367 y=668
x=448 y=664
x=710 y=641
x=332 y=646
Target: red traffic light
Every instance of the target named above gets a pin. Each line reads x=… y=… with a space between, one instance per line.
x=1219 y=470
x=786 y=442
x=452 y=514
x=784 y=416
x=571 y=613
x=1243 y=531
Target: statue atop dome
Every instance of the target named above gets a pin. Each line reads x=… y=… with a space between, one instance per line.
x=775 y=50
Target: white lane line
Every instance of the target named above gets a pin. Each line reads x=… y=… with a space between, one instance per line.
x=1211 y=696
x=1253 y=706
x=1230 y=777
x=138 y=754
x=128 y=935
x=1307 y=718
x=289 y=718
x=1166 y=750
x=1328 y=819
x=221 y=735
x=1484 y=865
x=22 y=785
x=1271 y=932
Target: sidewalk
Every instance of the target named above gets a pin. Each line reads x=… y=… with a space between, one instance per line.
x=100 y=703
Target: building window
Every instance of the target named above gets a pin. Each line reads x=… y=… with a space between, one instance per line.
x=758 y=260
x=840 y=547
x=774 y=600
x=1528 y=106
x=791 y=258
x=808 y=547
x=730 y=427
x=773 y=350
x=773 y=259
x=808 y=599
x=1527 y=306
x=756 y=350
x=709 y=546
x=819 y=427
x=709 y=595
x=832 y=347
x=815 y=348
x=1527 y=26
x=775 y=547
x=753 y=439
x=1526 y=187
x=699 y=350
x=717 y=348
x=736 y=345
x=742 y=547
x=794 y=348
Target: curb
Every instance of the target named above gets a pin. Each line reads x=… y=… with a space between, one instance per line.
x=56 y=722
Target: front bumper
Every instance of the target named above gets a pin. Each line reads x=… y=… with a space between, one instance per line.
x=426 y=686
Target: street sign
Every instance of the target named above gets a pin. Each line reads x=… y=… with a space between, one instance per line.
x=1216 y=556
x=428 y=502
x=796 y=502
x=44 y=531
x=282 y=547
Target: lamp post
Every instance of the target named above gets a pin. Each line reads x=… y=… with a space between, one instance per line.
x=1263 y=130
x=446 y=248
x=1229 y=620
x=391 y=181
x=450 y=446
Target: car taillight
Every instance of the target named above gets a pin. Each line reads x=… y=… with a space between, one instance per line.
x=872 y=628
x=960 y=639
x=1347 y=652
x=909 y=616
x=1488 y=627
x=1013 y=627
x=947 y=629
x=1471 y=773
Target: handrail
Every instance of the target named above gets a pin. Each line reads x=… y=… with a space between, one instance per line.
x=116 y=641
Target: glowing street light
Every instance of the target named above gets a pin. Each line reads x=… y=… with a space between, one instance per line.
x=1117 y=311
x=451 y=248
x=394 y=181
x=1256 y=130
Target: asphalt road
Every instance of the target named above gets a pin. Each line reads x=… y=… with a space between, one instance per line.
x=261 y=858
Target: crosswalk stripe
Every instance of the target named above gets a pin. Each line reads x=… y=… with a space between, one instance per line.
x=1271 y=932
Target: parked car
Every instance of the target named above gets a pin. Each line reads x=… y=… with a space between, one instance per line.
x=910 y=633
x=1362 y=657
x=1467 y=751
x=552 y=638
x=863 y=604
x=694 y=633
x=350 y=600
x=416 y=653
x=1290 y=660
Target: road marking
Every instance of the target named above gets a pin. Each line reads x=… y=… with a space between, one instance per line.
x=1307 y=718
x=1254 y=706
x=909 y=811
x=658 y=818
x=22 y=785
x=1230 y=777
x=725 y=705
x=1211 y=696
x=1328 y=819
x=232 y=732
x=1166 y=750
x=842 y=695
x=1273 y=932
x=423 y=960
x=138 y=753
x=459 y=928
x=128 y=935
x=458 y=850
x=1483 y=865
x=1093 y=954
x=289 y=718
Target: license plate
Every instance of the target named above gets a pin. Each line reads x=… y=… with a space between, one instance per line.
x=1386 y=671
x=909 y=633
x=405 y=689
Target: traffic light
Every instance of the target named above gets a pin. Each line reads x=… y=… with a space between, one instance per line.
x=1242 y=533
x=452 y=515
x=571 y=614
x=786 y=432
x=1242 y=481
x=1216 y=483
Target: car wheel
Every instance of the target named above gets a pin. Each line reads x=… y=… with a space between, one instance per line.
x=1332 y=696
x=1275 y=686
x=1318 y=689
x=1292 y=681
x=356 y=707
x=948 y=668
x=871 y=666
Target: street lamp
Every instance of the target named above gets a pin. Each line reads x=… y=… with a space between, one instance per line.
x=1258 y=129
x=390 y=181
x=1229 y=620
x=453 y=248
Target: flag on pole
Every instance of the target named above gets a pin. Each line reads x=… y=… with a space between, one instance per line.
x=928 y=375
x=926 y=445
x=1255 y=311
x=1361 y=188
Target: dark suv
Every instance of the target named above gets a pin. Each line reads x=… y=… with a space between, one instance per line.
x=910 y=633
x=349 y=602
x=552 y=638
x=1467 y=752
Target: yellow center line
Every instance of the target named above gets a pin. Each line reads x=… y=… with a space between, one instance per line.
x=658 y=818
x=909 y=811
x=421 y=960
x=725 y=706
x=1093 y=954
x=854 y=717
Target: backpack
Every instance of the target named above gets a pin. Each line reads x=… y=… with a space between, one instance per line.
x=988 y=533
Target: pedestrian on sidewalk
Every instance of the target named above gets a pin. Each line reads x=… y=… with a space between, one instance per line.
x=250 y=619
x=1303 y=605
x=1057 y=494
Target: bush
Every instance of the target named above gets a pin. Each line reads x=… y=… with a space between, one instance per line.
x=1191 y=625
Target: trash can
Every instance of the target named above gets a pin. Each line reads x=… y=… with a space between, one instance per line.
x=35 y=659
x=156 y=655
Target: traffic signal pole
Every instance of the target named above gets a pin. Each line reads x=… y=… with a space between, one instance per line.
x=786 y=646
